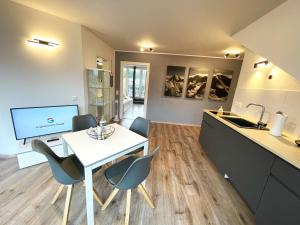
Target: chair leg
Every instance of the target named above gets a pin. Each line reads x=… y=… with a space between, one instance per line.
x=67 y=204
x=61 y=187
x=146 y=196
x=128 y=206
x=97 y=197
x=110 y=198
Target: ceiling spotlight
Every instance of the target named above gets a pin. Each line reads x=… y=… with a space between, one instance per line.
x=261 y=64
x=228 y=55
x=146 y=49
x=232 y=54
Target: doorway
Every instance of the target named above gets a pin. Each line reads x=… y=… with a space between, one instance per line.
x=133 y=90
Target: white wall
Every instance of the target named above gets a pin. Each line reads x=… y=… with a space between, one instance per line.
x=282 y=93
x=276 y=36
x=31 y=76
x=93 y=46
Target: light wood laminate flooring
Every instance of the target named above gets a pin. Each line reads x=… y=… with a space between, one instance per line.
x=184 y=185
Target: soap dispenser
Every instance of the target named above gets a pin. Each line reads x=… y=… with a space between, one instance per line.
x=220 y=111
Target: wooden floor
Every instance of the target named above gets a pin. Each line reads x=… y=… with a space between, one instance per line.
x=184 y=185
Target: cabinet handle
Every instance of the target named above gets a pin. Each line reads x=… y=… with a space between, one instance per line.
x=226 y=176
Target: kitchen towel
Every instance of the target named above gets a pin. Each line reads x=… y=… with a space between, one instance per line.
x=278 y=124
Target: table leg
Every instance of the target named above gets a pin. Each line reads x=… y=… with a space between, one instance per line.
x=145 y=153
x=146 y=148
x=65 y=147
x=89 y=195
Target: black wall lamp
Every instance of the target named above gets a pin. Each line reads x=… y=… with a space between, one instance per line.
x=43 y=42
x=261 y=64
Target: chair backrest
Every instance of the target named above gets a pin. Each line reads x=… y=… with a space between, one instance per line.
x=60 y=174
x=83 y=122
x=140 y=126
x=137 y=172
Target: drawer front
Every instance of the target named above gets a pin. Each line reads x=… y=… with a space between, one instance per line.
x=278 y=206
x=287 y=174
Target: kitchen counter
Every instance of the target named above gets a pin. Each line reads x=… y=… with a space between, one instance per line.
x=283 y=147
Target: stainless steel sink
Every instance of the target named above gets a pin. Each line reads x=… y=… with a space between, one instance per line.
x=243 y=123
x=224 y=113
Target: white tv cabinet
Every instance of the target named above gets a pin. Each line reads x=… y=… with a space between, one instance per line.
x=27 y=157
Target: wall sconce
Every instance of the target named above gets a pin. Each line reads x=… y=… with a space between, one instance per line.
x=42 y=42
x=261 y=64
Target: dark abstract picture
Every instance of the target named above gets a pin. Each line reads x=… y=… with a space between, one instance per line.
x=174 y=81
x=220 y=85
x=196 y=84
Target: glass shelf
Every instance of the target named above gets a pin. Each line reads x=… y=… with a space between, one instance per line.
x=99 y=102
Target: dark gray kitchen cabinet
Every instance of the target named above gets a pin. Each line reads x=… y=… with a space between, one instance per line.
x=287 y=174
x=279 y=206
x=248 y=167
x=211 y=141
x=280 y=202
x=246 y=163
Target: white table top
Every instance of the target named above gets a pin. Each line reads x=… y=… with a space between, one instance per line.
x=90 y=151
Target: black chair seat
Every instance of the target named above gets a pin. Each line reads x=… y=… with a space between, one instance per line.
x=73 y=166
x=129 y=174
x=115 y=173
x=140 y=126
x=66 y=170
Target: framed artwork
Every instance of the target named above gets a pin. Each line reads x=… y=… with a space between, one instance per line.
x=174 y=81
x=196 y=83
x=220 y=85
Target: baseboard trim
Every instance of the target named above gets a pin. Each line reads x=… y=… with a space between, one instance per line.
x=180 y=124
x=7 y=156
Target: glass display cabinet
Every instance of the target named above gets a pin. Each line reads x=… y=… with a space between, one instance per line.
x=98 y=85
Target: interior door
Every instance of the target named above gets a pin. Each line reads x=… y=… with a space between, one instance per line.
x=135 y=82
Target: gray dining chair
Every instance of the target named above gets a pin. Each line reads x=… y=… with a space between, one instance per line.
x=127 y=175
x=66 y=170
x=140 y=126
x=83 y=122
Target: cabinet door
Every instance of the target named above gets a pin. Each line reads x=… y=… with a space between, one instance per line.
x=278 y=206
x=248 y=167
x=206 y=133
x=212 y=142
x=287 y=174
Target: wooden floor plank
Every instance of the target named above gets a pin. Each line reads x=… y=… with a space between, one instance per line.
x=183 y=183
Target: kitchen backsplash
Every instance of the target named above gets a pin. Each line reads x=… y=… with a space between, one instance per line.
x=274 y=100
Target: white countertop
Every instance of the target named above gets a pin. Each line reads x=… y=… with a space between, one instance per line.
x=284 y=147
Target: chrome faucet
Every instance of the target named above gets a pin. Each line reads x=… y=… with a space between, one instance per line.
x=260 y=122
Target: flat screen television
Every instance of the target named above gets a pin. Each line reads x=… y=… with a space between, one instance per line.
x=40 y=121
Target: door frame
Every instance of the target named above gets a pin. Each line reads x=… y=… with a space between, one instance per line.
x=123 y=64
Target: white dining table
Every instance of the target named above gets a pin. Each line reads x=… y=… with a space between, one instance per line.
x=95 y=153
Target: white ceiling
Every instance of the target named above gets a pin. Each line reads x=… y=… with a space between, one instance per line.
x=196 y=27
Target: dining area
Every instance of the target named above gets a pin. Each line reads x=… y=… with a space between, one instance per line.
x=182 y=184
x=123 y=156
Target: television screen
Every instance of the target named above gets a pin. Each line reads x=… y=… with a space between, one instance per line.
x=39 y=121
